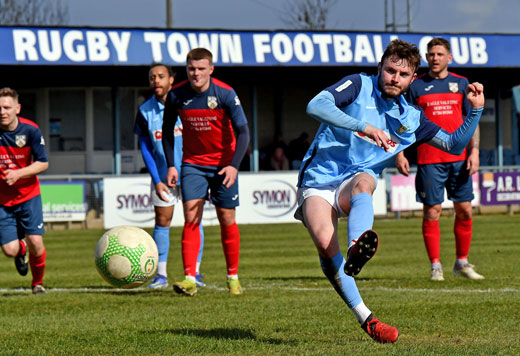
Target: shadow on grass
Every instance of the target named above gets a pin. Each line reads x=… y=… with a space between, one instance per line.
x=226 y=334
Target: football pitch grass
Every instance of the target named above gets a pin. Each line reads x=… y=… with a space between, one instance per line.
x=288 y=307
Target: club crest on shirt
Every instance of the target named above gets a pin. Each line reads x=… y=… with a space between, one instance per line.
x=453 y=86
x=20 y=140
x=212 y=102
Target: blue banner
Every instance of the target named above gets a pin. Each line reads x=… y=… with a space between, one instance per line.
x=96 y=46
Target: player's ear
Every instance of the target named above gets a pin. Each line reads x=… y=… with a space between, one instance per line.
x=211 y=69
x=450 y=58
x=18 y=109
x=414 y=76
x=379 y=68
x=171 y=80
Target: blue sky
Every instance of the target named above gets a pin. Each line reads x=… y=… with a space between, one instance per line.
x=439 y=16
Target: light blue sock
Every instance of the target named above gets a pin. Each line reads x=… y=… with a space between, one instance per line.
x=161 y=236
x=199 y=259
x=344 y=285
x=361 y=217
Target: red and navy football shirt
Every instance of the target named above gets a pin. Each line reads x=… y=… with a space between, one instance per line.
x=19 y=149
x=444 y=102
x=208 y=120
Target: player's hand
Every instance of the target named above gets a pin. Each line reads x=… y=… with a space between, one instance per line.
x=402 y=164
x=230 y=175
x=172 y=177
x=475 y=94
x=162 y=192
x=11 y=176
x=378 y=135
x=473 y=162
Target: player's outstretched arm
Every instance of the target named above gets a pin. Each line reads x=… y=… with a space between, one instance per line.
x=456 y=142
x=323 y=108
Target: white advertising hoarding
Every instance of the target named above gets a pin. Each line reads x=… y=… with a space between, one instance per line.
x=403 y=197
x=264 y=198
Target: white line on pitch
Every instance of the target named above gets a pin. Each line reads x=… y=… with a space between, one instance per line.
x=270 y=287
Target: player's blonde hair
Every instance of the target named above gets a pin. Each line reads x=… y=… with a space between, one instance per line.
x=9 y=92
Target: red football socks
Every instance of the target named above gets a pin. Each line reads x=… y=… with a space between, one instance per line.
x=230 y=236
x=23 y=248
x=462 y=230
x=432 y=239
x=190 y=248
x=37 y=264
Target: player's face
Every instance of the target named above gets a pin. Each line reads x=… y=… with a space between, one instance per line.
x=438 y=58
x=199 y=72
x=160 y=81
x=9 y=109
x=395 y=76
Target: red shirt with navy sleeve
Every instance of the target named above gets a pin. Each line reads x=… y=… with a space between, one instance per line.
x=19 y=149
x=444 y=102
x=208 y=120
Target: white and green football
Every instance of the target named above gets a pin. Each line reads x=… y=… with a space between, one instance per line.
x=126 y=256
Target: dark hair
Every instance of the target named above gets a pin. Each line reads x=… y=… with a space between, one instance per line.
x=403 y=50
x=168 y=68
x=198 y=54
x=438 y=41
x=9 y=92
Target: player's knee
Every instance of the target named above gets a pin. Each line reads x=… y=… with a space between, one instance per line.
x=35 y=244
x=10 y=250
x=365 y=185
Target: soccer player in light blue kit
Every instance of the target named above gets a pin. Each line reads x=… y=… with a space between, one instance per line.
x=148 y=127
x=365 y=122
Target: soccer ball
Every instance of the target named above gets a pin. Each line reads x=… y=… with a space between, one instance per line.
x=126 y=256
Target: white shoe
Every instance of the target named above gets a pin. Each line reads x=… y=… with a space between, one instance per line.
x=467 y=271
x=437 y=274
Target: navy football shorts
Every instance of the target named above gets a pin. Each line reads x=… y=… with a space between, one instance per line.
x=431 y=180
x=21 y=219
x=201 y=182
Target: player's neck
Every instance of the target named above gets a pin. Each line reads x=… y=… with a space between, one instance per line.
x=439 y=75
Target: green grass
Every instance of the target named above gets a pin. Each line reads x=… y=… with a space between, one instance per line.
x=288 y=307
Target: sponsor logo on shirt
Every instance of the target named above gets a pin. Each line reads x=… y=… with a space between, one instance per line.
x=212 y=102
x=428 y=88
x=187 y=102
x=237 y=101
x=453 y=86
x=392 y=142
x=157 y=135
x=42 y=141
x=20 y=140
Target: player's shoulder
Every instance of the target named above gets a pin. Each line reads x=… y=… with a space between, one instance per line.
x=459 y=78
x=28 y=122
x=220 y=84
x=149 y=104
x=351 y=81
x=179 y=86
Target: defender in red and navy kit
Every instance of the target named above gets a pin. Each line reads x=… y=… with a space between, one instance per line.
x=444 y=102
x=211 y=114
x=22 y=157
x=440 y=94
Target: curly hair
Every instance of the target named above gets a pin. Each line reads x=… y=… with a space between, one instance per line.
x=403 y=50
